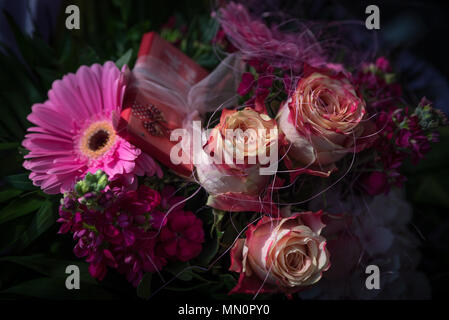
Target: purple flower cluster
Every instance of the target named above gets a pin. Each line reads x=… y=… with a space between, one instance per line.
x=375 y=81
x=401 y=135
x=127 y=229
x=259 y=88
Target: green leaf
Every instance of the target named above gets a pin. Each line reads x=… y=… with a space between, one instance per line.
x=20 y=181
x=42 y=221
x=19 y=105
x=218 y=217
x=208 y=60
x=228 y=281
x=208 y=28
x=124 y=59
x=178 y=269
x=11 y=124
x=9 y=145
x=8 y=194
x=47 y=76
x=212 y=243
x=19 y=207
x=144 y=287
x=210 y=249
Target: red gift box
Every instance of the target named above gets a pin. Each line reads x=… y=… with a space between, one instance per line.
x=147 y=121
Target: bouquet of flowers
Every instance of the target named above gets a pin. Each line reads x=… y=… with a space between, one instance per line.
x=276 y=170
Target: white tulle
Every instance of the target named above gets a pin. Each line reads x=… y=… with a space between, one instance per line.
x=157 y=80
x=154 y=79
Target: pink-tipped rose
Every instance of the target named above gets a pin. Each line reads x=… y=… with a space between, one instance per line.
x=236 y=180
x=280 y=254
x=322 y=122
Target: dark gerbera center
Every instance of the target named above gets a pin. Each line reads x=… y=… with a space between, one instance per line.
x=98 y=140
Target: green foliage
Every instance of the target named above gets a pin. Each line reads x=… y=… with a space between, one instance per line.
x=17 y=208
x=92 y=183
x=144 y=287
x=20 y=182
x=125 y=59
x=181 y=270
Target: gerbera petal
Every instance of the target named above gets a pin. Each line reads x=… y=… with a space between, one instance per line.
x=145 y=165
x=66 y=168
x=111 y=92
x=56 y=123
x=89 y=89
x=47 y=142
x=63 y=94
x=127 y=152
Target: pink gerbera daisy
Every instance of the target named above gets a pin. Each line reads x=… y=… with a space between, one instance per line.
x=75 y=132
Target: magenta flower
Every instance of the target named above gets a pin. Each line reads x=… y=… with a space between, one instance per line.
x=75 y=132
x=246 y=84
x=115 y=228
x=376 y=183
x=380 y=92
x=403 y=138
x=383 y=64
x=221 y=40
x=402 y=134
x=128 y=230
x=182 y=237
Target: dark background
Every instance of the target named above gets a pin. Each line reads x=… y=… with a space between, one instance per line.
x=413 y=33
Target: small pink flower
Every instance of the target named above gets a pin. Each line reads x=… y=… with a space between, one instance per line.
x=140 y=201
x=182 y=237
x=246 y=84
x=376 y=183
x=383 y=64
x=403 y=138
x=379 y=93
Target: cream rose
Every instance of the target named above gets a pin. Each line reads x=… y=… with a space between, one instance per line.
x=322 y=122
x=244 y=136
x=238 y=144
x=281 y=254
